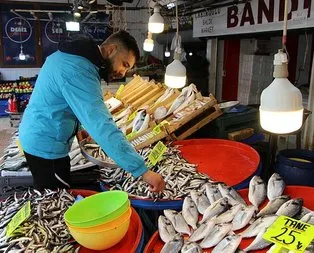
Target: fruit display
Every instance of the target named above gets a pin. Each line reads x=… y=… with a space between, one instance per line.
x=8 y=88
x=24 y=87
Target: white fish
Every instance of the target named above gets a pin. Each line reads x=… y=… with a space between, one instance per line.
x=216 y=235
x=291 y=207
x=225 y=190
x=212 y=192
x=243 y=217
x=214 y=209
x=259 y=242
x=229 y=215
x=176 y=103
x=122 y=114
x=275 y=186
x=138 y=120
x=166 y=229
x=273 y=205
x=173 y=246
x=258 y=225
x=202 y=231
x=191 y=247
x=282 y=250
x=228 y=245
x=160 y=113
x=257 y=191
x=189 y=212
x=187 y=102
x=201 y=201
x=303 y=212
x=177 y=221
x=308 y=218
x=169 y=92
x=145 y=123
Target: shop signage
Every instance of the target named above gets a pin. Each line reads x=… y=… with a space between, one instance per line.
x=18 y=30
x=253 y=16
x=55 y=30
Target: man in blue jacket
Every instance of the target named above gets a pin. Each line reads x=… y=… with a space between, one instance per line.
x=67 y=93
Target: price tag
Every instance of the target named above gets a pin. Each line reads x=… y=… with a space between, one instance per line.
x=132 y=116
x=157 y=153
x=118 y=93
x=157 y=129
x=291 y=234
x=18 y=218
x=131 y=135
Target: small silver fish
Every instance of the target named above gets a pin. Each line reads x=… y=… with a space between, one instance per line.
x=225 y=190
x=258 y=225
x=212 y=192
x=173 y=246
x=259 y=242
x=202 y=231
x=216 y=235
x=189 y=212
x=291 y=207
x=191 y=247
x=166 y=229
x=243 y=217
x=177 y=221
x=228 y=245
x=275 y=186
x=273 y=205
x=216 y=208
x=308 y=218
x=201 y=201
x=257 y=191
x=303 y=212
x=229 y=215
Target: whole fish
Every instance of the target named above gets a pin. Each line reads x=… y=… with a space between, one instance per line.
x=173 y=246
x=225 y=190
x=214 y=209
x=191 y=247
x=228 y=245
x=243 y=217
x=303 y=212
x=216 y=235
x=177 y=221
x=282 y=250
x=189 y=212
x=258 y=243
x=201 y=201
x=308 y=218
x=291 y=207
x=166 y=229
x=257 y=191
x=275 y=186
x=229 y=215
x=273 y=205
x=212 y=192
x=258 y=225
x=202 y=231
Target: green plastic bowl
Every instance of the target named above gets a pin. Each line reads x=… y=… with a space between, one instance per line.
x=97 y=209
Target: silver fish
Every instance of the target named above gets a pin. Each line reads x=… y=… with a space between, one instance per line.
x=228 y=245
x=290 y=208
x=259 y=242
x=202 y=231
x=275 y=186
x=191 y=247
x=282 y=250
x=257 y=191
x=225 y=190
x=189 y=212
x=273 y=205
x=214 y=209
x=308 y=218
x=303 y=212
x=243 y=217
x=212 y=192
x=201 y=201
x=177 y=221
x=258 y=226
x=166 y=229
x=229 y=215
x=173 y=246
x=216 y=235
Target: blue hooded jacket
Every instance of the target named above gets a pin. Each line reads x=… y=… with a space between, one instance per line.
x=67 y=91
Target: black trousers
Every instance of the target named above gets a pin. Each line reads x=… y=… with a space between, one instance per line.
x=49 y=173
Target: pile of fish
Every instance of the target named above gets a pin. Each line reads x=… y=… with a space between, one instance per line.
x=180 y=176
x=95 y=151
x=45 y=230
x=223 y=213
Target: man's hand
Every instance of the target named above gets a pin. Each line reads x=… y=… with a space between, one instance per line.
x=156 y=182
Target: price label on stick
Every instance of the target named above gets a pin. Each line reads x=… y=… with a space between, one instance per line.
x=18 y=218
x=118 y=93
x=291 y=234
x=157 y=153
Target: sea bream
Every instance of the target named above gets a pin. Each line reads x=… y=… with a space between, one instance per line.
x=257 y=191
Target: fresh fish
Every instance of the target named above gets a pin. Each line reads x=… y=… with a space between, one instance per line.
x=201 y=201
x=303 y=212
x=243 y=217
x=273 y=205
x=176 y=103
x=308 y=218
x=257 y=191
x=189 y=212
x=310 y=248
x=290 y=208
x=258 y=226
x=229 y=215
x=228 y=245
x=282 y=250
x=191 y=247
x=224 y=190
x=202 y=231
x=216 y=235
x=187 y=102
x=173 y=246
x=138 y=120
x=166 y=229
x=214 y=209
x=259 y=242
x=212 y=192
x=275 y=186
x=177 y=221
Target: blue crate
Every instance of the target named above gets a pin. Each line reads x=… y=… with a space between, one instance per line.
x=3 y=107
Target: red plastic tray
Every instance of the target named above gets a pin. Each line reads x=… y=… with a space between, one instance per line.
x=155 y=244
x=223 y=160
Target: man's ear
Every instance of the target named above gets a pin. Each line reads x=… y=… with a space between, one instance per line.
x=111 y=49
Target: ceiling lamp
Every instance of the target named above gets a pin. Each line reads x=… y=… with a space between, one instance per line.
x=281 y=109
x=167 y=52
x=175 y=76
x=156 y=22
x=22 y=56
x=148 y=45
x=72 y=26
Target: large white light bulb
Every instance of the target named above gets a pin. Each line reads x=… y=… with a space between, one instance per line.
x=175 y=76
x=156 y=22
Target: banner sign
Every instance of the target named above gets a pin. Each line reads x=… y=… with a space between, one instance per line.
x=253 y=16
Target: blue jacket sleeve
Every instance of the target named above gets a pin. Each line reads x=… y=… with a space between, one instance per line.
x=83 y=95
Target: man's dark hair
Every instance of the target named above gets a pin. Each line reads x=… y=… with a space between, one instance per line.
x=126 y=40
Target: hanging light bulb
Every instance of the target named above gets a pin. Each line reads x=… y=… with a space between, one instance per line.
x=22 y=56
x=156 y=21
x=167 y=52
x=148 y=45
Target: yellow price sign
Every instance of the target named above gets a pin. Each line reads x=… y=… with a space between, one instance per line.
x=119 y=91
x=291 y=234
x=19 y=218
x=132 y=116
x=131 y=135
x=157 y=153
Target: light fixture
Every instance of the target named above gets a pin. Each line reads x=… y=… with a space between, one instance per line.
x=156 y=21
x=22 y=56
x=190 y=54
x=148 y=44
x=80 y=7
x=170 y=5
x=72 y=26
x=167 y=52
x=175 y=76
x=76 y=14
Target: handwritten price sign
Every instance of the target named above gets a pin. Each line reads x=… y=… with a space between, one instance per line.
x=157 y=153
x=291 y=234
x=19 y=218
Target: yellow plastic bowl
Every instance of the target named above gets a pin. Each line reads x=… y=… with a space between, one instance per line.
x=103 y=239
